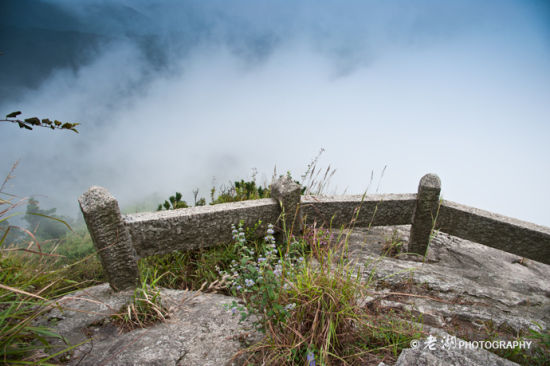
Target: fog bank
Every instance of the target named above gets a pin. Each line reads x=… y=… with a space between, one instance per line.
x=177 y=95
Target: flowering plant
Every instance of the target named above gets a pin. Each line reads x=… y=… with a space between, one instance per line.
x=262 y=278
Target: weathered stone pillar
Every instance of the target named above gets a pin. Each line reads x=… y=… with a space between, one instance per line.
x=427 y=203
x=287 y=193
x=110 y=237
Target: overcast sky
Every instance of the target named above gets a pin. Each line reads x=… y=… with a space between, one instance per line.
x=174 y=94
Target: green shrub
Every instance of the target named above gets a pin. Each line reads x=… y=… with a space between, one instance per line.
x=239 y=191
x=174 y=202
x=43 y=223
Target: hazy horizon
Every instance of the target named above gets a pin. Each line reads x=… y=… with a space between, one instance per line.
x=173 y=94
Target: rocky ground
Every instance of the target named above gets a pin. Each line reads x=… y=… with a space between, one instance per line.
x=200 y=330
x=461 y=284
x=462 y=288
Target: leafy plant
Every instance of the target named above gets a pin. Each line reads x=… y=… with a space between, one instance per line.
x=239 y=191
x=537 y=354
x=260 y=278
x=174 y=202
x=201 y=201
x=29 y=123
x=392 y=246
x=541 y=349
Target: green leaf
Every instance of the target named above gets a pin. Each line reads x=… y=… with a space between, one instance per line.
x=52 y=218
x=23 y=125
x=10 y=216
x=13 y=114
x=5 y=235
x=33 y=121
x=44 y=331
x=42 y=361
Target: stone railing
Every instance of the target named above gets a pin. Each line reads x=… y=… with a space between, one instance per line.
x=122 y=239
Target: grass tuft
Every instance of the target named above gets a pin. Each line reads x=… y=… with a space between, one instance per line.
x=146 y=306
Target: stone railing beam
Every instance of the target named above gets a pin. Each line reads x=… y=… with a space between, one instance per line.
x=505 y=233
x=162 y=232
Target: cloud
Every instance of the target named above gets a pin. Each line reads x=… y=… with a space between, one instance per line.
x=177 y=93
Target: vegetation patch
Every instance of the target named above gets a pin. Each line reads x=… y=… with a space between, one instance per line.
x=392 y=246
x=145 y=307
x=308 y=305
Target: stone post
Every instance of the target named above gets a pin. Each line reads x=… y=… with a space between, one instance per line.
x=110 y=237
x=287 y=193
x=427 y=203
